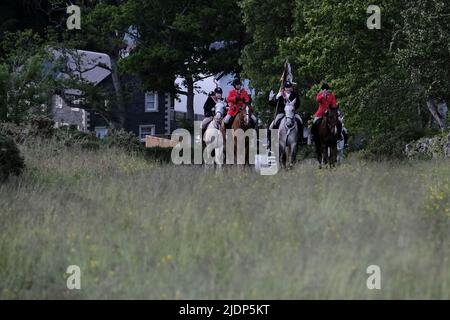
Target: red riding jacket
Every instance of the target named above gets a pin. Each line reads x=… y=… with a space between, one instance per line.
x=236 y=100
x=324 y=103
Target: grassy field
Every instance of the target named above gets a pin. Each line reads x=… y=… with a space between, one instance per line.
x=148 y=231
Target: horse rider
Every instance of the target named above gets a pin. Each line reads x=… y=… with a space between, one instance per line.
x=285 y=95
x=325 y=98
x=214 y=98
x=237 y=98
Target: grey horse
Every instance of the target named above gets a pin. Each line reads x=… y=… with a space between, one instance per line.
x=214 y=138
x=288 y=135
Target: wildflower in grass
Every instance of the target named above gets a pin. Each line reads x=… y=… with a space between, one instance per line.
x=167 y=259
x=93 y=264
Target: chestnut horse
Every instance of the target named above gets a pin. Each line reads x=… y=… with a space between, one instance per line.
x=241 y=121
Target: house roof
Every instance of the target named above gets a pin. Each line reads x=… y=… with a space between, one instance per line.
x=93 y=67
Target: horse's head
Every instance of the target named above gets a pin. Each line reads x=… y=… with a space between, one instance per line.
x=244 y=116
x=332 y=117
x=289 y=111
x=219 y=110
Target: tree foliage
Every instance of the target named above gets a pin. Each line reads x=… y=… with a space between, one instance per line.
x=27 y=79
x=374 y=73
x=189 y=39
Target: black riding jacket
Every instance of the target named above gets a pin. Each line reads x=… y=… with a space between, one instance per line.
x=280 y=103
x=208 y=108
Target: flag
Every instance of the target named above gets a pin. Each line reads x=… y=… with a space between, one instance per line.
x=287 y=74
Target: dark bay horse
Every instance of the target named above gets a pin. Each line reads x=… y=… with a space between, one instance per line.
x=327 y=137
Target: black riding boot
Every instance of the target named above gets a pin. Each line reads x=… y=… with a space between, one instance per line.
x=269 y=136
x=269 y=139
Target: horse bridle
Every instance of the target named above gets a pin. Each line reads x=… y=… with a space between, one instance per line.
x=247 y=114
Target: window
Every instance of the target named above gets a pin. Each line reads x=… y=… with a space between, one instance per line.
x=151 y=101
x=58 y=102
x=101 y=132
x=146 y=130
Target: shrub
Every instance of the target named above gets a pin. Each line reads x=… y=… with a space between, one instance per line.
x=11 y=162
x=70 y=136
x=122 y=139
x=13 y=131
x=38 y=126
x=42 y=126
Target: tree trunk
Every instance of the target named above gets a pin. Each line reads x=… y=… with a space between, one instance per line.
x=3 y=107
x=419 y=116
x=118 y=112
x=190 y=100
x=434 y=112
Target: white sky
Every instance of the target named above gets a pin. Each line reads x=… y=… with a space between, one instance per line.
x=199 y=98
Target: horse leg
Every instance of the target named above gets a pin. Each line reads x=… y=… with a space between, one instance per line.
x=325 y=154
x=288 y=156
x=294 y=149
x=219 y=156
x=318 y=152
x=247 y=152
x=282 y=156
x=334 y=155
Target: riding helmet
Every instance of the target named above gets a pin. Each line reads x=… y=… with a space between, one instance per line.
x=325 y=86
x=237 y=82
x=218 y=90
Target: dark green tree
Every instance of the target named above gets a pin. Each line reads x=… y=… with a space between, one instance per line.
x=188 y=39
x=27 y=79
x=424 y=51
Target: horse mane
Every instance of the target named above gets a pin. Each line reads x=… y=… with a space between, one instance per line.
x=240 y=116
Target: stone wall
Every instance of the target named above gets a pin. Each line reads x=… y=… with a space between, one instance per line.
x=429 y=148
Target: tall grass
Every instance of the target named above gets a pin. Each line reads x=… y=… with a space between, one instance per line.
x=142 y=230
